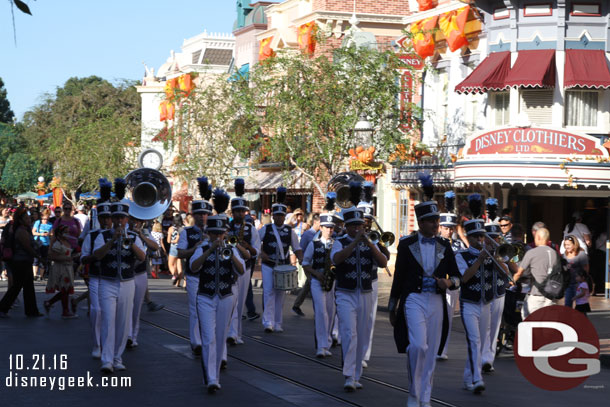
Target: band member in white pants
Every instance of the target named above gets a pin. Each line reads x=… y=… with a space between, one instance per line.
x=117 y=251
x=248 y=239
x=499 y=282
x=417 y=300
x=276 y=240
x=216 y=263
x=317 y=264
x=448 y=222
x=356 y=259
x=140 y=279
x=89 y=260
x=190 y=238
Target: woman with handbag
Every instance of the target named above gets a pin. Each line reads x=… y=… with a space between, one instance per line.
x=19 y=253
x=41 y=231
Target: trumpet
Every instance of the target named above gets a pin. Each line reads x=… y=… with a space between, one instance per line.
x=126 y=241
x=228 y=244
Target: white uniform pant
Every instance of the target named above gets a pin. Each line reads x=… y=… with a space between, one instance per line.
x=533 y=303
x=354 y=312
x=95 y=311
x=491 y=338
x=324 y=313
x=141 y=285
x=240 y=289
x=424 y=316
x=116 y=299
x=214 y=318
x=475 y=318
x=192 y=286
x=367 y=355
x=452 y=299
x=273 y=300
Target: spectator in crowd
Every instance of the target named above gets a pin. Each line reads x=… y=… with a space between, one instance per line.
x=536 y=264
x=81 y=216
x=173 y=235
x=61 y=276
x=265 y=220
x=4 y=220
x=66 y=219
x=506 y=225
x=535 y=227
x=34 y=214
x=157 y=256
x=56 y=215
x=582 y=293
x=577 y=261
x=18 y=236
x=41 y=231
x=297 y=223
x=579 y=230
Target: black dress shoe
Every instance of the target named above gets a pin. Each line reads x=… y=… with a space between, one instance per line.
x=231 y=341
x=223 y=365
x=129 y=344
x=38 y=314
x=197 y=351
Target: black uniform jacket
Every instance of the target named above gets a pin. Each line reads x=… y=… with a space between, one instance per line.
x=408 y=278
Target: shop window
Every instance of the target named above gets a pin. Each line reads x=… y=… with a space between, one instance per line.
x=581 y=108
x=404 y=212
x=500 y=104
x=537 y=10
x=537 y=105
x=586 y=9
x=442 y=99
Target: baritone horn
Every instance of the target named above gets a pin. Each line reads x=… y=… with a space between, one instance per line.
x=340 y=185
x=150 y=193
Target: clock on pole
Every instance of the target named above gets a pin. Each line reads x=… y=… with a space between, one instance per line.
x=150 y=158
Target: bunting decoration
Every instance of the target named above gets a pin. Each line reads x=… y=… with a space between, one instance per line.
x=423 y=38
x=452 y=25
x=307 y=37
x=265 y=50
x=427 y=4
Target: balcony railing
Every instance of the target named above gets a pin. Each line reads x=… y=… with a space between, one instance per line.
x=439 y=164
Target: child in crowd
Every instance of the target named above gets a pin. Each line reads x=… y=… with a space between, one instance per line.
x=157 y=257
x=582 y=293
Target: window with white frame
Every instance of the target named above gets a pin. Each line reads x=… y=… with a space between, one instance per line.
x=537 y=104
x=404 y=212
x=581 y=107
x=500 y=106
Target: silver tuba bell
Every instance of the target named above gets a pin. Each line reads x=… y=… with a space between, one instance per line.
x=150 y=193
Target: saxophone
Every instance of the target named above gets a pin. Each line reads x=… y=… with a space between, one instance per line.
x=329 y=270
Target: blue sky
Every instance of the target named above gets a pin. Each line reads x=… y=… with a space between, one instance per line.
x=107 y=38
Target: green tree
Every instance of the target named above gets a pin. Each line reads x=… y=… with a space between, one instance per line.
x=6 y=114
x=87 y=130
x=300 y=112
x=19 y=173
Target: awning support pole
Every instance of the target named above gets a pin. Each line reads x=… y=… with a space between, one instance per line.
x=607 y=271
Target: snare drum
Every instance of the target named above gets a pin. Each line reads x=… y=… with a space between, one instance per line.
x=285 y=277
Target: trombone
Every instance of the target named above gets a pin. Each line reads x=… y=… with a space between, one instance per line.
x=379 y=236
x=502 y=253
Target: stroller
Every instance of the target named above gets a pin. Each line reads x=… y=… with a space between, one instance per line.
x=511 y=317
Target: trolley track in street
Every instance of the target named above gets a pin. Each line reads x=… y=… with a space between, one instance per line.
x=302 y=356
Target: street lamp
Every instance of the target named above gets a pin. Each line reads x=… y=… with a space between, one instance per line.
x=363 y=132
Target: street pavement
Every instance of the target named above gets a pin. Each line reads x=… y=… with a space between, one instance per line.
x=268 y=370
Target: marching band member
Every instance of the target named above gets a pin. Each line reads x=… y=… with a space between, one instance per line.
x=250 y=241
x=448 y=222
x=189 y=238
x=476 y=293
x=356 y=259
x=317 y=265
x=500 y=281
x=140 y=279
x=216 y=263
x=425 y=269
x=369 y=213
x=89 y=260
x=276 y=239
x=117 y=250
